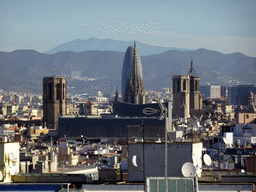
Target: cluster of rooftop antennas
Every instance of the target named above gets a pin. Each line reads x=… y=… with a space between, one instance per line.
x=12 y=157
x=189 y=170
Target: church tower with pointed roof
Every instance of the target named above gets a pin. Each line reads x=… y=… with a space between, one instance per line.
x=187 y=99
x=132 y=78
x=195 y=96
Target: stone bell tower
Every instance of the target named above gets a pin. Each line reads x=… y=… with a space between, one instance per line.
x=54 y=100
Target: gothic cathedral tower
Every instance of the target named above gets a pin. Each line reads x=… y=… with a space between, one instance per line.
x=186 y=94
x=54 y=100
x=195 y=96
x=181 y=96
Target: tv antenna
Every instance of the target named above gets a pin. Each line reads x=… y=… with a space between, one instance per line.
x=163 y=115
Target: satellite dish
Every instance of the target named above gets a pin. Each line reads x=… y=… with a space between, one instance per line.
x=12 y=170
x=216 y=176
x=198 y=163
x=16 y=170
x=188 y=170
x=11 y=155
x=16 y=155
x=1 y=176
x=207 y=160
x=136 y=161
x=198 y=167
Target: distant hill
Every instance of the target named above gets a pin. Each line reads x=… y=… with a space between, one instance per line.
x=93 y=44
x=25 y=69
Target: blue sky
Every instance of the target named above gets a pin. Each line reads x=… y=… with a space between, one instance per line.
x=226 y=26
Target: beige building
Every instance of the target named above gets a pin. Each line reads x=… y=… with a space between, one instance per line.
x=9 y=160
x=244 y=118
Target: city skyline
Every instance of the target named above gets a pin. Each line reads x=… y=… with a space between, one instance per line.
x=224 y=26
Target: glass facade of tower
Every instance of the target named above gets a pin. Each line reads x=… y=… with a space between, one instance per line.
x=238 y=95
x=127 y=67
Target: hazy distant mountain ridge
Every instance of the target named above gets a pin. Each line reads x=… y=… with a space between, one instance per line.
x=93 y=44
x=25 y=69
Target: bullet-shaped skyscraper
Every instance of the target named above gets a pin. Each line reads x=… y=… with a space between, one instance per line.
x=132 y=79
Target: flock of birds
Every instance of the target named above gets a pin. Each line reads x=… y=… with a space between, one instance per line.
x=118 y=27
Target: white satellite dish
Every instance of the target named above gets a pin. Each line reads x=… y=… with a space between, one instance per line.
x=11 y=155
x=1 y=176
x=136 y=161
x=216 y=176
x=198 y=167
x=12 y=170
x=16 y=155
x=207 y=160
x=16 y=170
x=188 y=170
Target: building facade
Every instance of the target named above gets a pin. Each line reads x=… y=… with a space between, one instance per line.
x=239 y=94
x=54 y=100
x=147 y=159
x=211 y=91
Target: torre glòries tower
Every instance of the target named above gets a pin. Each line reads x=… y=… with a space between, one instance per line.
x=132 y=78
x=54 y=100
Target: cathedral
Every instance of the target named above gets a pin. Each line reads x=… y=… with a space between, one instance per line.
x=132 y=79
x=187 y=99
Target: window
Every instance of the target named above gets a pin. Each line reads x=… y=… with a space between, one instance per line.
x=178 y=85
x=50 y=91
x=184 y=85
x=63 y=90
x=58 y=91
x=196 y=86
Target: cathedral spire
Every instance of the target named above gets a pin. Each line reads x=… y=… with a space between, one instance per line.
x=117 y=96
x=191 y=71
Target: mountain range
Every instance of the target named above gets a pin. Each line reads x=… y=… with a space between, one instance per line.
x=23 y=70
x=93 y=44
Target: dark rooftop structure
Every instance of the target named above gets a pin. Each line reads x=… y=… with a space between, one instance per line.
x=150 y=110
x=110 y=127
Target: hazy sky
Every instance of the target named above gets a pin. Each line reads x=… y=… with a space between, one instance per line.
x=226 y=26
